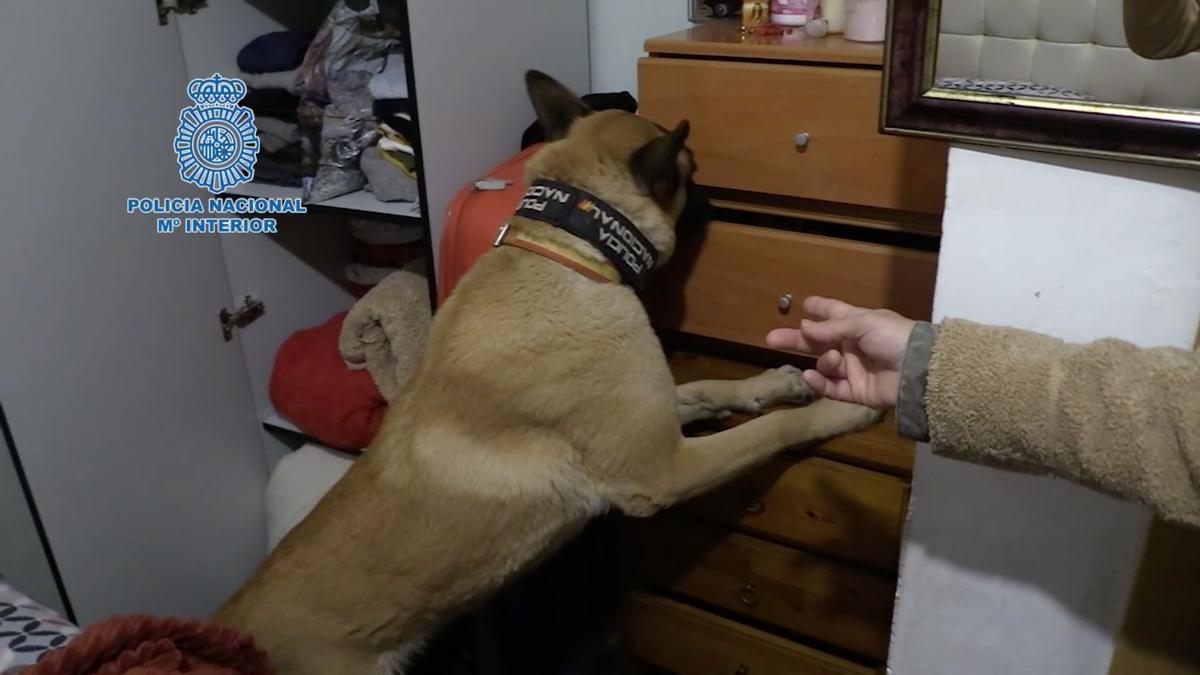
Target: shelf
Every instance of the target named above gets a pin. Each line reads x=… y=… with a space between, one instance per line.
x=277 y=422
x=725 y=39
x=280 y=423
x=360 y=201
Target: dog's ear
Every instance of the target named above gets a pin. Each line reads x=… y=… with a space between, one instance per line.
x=655 y=165
x=556 y=106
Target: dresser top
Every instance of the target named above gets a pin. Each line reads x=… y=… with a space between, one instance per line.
x=725 y=39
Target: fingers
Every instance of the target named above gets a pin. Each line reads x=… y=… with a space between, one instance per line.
x=791 y=339
x=832 y=364
x=829 y=308
x=836 y=389
x=833 y=331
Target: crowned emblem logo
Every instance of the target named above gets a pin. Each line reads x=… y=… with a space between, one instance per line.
x=216 y=143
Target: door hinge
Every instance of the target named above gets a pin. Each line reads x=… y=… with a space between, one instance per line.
x=165 y=7
x=245 y=315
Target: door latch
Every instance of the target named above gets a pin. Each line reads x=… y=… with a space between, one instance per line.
x=165 y=7
x=245 y=315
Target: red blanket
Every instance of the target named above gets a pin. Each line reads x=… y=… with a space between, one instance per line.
x=147 y=645
x=311 y=385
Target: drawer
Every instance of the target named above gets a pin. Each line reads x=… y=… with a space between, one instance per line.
x=730 y=285
x=824 y=506
x=688 y=641
x=755 y=579
x=745 y=118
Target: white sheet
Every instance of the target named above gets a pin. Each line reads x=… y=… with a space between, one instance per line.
x=299 y=482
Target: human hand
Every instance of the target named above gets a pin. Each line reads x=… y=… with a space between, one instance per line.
x=860 y=350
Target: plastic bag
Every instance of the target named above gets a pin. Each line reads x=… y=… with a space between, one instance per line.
x=352 y=46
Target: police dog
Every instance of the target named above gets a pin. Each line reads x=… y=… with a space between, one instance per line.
x=542 y=399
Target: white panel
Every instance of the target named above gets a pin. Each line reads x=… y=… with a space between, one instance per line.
x=619 y=29
x=132 y=416
x=213 y=36
x=469 y=61
x=1004 y=573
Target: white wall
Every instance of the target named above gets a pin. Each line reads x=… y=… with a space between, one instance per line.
x=618 y=28
x=1003 y=573
x=471 y=100
x=23 y=561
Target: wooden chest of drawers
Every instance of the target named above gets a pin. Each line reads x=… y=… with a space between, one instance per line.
x=791 y=568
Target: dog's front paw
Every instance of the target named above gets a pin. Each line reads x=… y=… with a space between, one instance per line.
x=845 y=418
x=772 y=387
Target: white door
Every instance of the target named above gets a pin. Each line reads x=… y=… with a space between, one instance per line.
x=132 y=417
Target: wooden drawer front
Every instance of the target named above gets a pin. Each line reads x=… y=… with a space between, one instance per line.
x=796 y=591
x=824 y=506
x=688 y=641
x=745 y=116
x=729 y=288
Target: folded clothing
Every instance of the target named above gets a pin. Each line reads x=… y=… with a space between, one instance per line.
x=367 y=276
x=274 y=52
x=392 y=81
x=284 y=173
x=311 y=385
x=395 y=253
x=382 y=232
x=395 y=146
x=284 y=79
x=275 y=134
x=282 y=166
x=397 y=114
x=149 y=645
x=385 y=330
x=280 y=104
x=389 y=178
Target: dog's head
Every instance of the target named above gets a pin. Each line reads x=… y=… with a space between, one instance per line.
x=640 y=168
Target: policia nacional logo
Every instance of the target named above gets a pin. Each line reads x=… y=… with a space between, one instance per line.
x=216 y=143
x=591 y=219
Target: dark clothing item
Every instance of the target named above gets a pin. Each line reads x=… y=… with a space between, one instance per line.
x=279 y=168
x=620 y=101
x=274 y=52
x=397 y=114
x=277 y=103
x=390 y=107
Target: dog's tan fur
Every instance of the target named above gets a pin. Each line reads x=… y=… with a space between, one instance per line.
x=543 y=399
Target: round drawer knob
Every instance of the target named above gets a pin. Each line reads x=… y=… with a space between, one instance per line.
x=785 y=302
x=742 y=669
x=749 y=594
x=755 y=506
x=801 y=139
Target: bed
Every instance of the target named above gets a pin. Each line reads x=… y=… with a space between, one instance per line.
x=28 y=629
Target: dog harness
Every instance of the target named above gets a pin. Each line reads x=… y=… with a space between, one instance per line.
x=630 y=254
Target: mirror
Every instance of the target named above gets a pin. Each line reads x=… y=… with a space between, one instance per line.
x=1112 y=78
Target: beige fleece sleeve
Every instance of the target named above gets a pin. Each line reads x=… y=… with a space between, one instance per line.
x=1109 y=415
x=1162 y=29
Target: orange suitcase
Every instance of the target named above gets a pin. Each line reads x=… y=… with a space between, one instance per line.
x=474 y=218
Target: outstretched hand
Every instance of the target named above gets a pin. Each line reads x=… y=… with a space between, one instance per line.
x=861 y=351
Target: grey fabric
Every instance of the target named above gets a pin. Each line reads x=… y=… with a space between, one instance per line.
x=911 y=420
x=387 y=181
